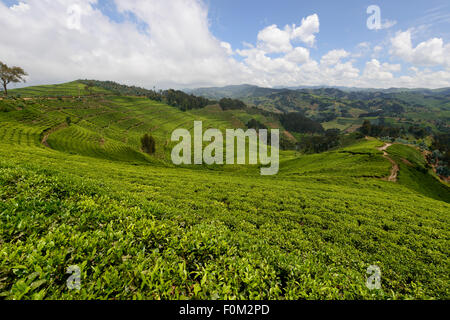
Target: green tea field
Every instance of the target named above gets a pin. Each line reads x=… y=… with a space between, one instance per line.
x=77 y=190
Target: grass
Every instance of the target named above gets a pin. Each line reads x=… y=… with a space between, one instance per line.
x=415 y=174
x=342 y=123
x=140 y=228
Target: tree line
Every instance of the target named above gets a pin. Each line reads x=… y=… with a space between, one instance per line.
x=320 y=143
x=231 y=104
x=382 y=130
x=297 y=122
x=174 y=98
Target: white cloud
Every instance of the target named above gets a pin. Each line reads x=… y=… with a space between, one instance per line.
x=338 y=74
x=307 y=30
x=375 y=70
x=271 y=39
x=171 y=45
x=299 y=55
x=361 y=49
x=363 y=45
x=388 y=24
x=178 y=48
x=377 y=51
x=227 y=47
x=432 y=52
x=333 y=57
x=20 y=7
x=424 y=79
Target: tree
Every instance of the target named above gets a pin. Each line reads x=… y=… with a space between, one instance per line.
x=297 y=122
x=231 y=104
x=89 y=86
x=255 y=124
x=443 y=171
x=148 y=144
x=366 y=128
x=11 y=74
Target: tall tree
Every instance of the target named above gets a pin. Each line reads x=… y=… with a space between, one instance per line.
x=11 y=74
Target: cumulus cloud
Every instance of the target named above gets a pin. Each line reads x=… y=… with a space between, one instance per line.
x=227 y=47
x=425 y=79
x=60 y=40
x=169 y=44
x=333 y=57
x=431 y=52
x=20 y=7
x=299 y=55
x=272 y=39
x=307 y=30
x=375 y=70
x=335 y=72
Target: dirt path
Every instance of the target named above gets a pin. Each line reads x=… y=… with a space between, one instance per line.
x=49 y=132
x=395 y=168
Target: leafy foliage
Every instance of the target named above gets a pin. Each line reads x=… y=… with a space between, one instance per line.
x=379 y=130
x=171 y=97
x=148 y=144
x=231 y=104
x=316 y=144
x=255 y=124
x=139 y=228
x=11 y=75
x=184 y=101
x=297 y=122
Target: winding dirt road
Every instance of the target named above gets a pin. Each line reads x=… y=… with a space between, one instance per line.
x=49 y=132
x=395 y=168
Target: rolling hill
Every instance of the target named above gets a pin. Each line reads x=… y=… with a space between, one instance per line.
x=82 y=193
x=347 y=108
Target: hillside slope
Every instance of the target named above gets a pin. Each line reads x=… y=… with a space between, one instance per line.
x=140 y=228
x=104 y=125
x=347 y=109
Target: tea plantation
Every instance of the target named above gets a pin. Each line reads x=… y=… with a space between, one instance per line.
x=83 y=194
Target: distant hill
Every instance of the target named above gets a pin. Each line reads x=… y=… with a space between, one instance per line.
x=344 y=108
x=76 y=189
x=247 y=90
x=235 y=91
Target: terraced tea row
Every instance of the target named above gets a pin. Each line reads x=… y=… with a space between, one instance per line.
x=140 y=228
x=178 y=233
x=67 y=89
x=116 y=121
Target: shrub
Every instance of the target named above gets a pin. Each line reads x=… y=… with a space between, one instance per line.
x=148 y=144
x=231 y=104
x=443 y=171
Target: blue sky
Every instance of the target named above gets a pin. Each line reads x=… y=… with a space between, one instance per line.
x=236 y=20
x=187 y=43
x=342 y=23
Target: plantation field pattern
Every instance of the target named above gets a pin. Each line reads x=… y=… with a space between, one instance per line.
x=82 y=193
